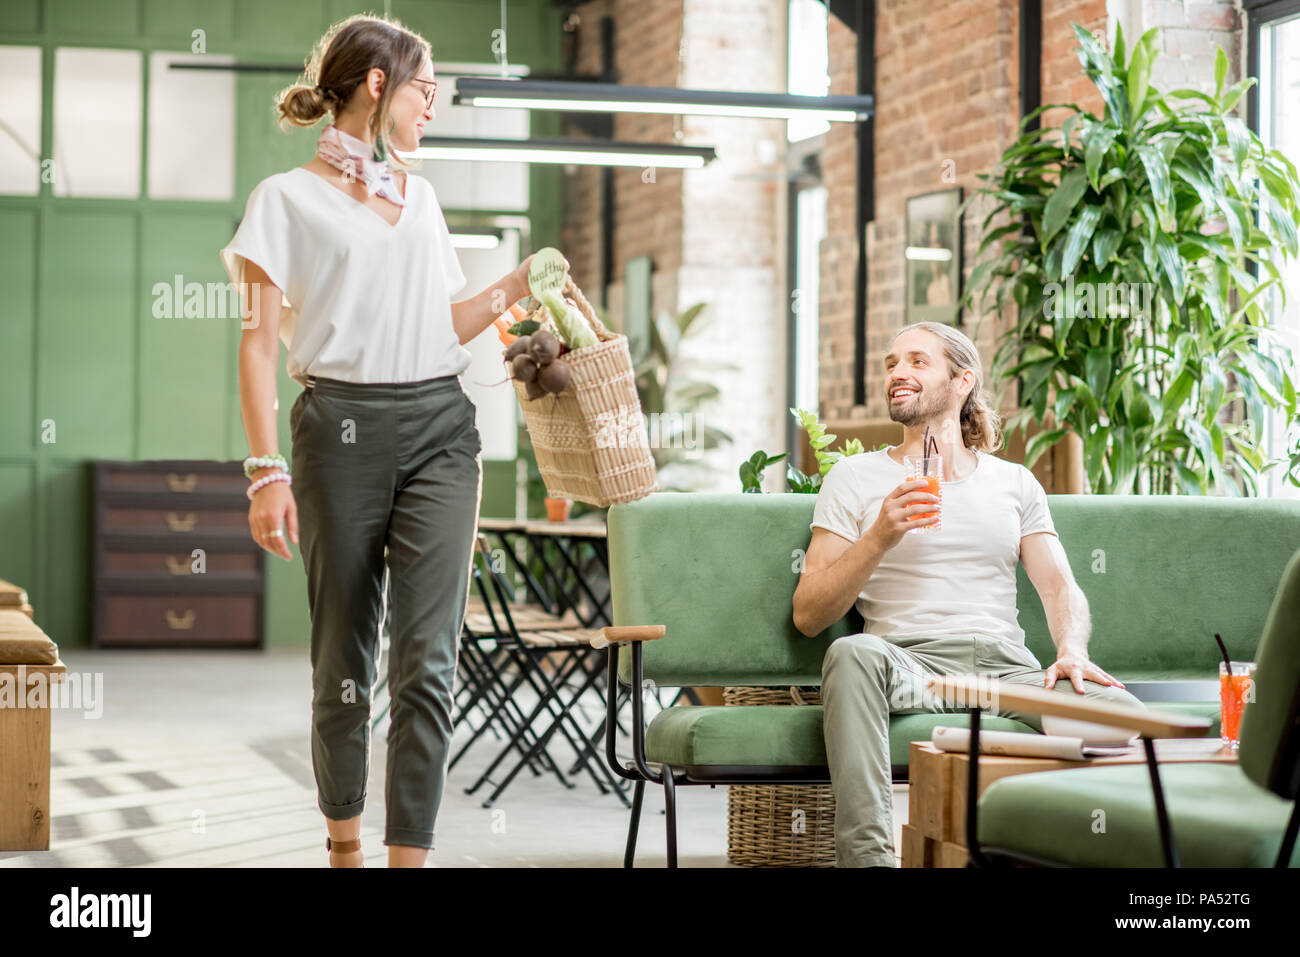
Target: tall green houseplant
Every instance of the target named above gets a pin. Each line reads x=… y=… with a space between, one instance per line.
x=1140 y=249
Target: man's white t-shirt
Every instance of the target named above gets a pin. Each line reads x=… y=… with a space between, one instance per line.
x=363 y=300
x=958 y=580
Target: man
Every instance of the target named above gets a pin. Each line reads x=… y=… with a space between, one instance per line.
x=934 y=603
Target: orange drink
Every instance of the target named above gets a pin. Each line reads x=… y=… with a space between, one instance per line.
x=929 y=468
x=1235 y=691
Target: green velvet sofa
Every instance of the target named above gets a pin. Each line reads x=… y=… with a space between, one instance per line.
x=1162 y=575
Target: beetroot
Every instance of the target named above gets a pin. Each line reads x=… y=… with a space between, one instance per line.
x=525 y=368
x=554 y=376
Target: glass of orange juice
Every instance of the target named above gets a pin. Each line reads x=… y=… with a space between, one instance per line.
x=929 y=468
x=1236 y=689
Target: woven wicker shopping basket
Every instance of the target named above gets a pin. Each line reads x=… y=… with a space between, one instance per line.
x=590 y=440
x=781 y=825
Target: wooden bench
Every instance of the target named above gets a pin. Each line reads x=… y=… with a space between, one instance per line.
x=27 y=657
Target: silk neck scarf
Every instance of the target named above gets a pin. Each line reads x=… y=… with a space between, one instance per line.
x=353 y=156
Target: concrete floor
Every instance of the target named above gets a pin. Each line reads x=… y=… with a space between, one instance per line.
x=202 y=759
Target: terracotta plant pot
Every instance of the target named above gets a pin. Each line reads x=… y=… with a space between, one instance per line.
x=557 y=509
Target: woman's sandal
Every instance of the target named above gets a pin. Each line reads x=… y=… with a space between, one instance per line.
x=343 y=847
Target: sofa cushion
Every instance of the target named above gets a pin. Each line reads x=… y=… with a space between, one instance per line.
x=790 y=736
x=777 y=735
x=1218 y=816
x=22 y=642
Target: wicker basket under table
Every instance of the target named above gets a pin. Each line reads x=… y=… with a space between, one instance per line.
x=761 y=818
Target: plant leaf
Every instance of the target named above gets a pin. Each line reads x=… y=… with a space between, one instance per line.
x=1097 y=369
x=1077 y=238
x=1040 y=443
x=1139 y=73
x=1062 y=202
x=1097 y=142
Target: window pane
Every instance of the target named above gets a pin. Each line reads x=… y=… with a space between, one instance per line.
x=1280 y=129
x=97 y=122
x=191 y=129
x=811 y=230
x=808 y=59
x=20 y=120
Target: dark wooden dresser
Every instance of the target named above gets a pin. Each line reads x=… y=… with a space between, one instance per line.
x=174 y=564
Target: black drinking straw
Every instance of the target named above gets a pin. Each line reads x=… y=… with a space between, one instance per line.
x=1226 y=660
x=925 y=452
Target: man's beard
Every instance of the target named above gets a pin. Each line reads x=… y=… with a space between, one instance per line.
x=924 y=406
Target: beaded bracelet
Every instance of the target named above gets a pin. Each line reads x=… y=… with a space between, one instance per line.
x=255 y=462
x=267 y=480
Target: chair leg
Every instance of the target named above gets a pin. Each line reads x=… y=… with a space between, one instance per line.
x=1162 y=812
x=634 y=824
x=1288 y=839
x=670 y=809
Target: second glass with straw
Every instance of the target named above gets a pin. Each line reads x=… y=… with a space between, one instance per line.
x=928 y=466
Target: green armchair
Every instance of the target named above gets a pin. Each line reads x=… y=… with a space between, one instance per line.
x=1197 y=814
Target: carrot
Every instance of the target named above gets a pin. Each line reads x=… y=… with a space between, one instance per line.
x=515 y=314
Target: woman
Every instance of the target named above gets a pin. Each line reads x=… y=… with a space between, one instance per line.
x=352 y=266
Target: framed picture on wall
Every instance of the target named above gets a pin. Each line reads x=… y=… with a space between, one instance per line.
x=932 y=258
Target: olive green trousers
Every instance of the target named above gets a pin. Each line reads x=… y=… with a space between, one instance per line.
x=865 y=679
x=386 y=476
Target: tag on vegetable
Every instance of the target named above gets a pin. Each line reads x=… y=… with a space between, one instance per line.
x=546 y=272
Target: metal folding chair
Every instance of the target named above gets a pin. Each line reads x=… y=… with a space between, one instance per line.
x=560 y=669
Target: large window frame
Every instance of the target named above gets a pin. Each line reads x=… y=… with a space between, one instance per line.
x=1262 y=16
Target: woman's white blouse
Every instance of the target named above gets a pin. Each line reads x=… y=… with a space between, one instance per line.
x=363 y=300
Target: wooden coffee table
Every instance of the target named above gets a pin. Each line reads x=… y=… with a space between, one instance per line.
x=935 y=832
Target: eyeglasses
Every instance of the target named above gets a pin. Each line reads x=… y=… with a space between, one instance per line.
x=433 y=89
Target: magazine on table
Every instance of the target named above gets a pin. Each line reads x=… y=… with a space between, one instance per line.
x=1025 y=744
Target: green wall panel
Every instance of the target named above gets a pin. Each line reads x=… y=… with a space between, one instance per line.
x=172 y=22
x=288 y=25
x=107 y=18
x=17 y=329
x=20 y=16
x=87 y=347
x=62 y=600
x=17 y=527
x=498 y=489
x=287 y=620
x=184 y=360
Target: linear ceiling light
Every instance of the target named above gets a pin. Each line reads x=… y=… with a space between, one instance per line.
x=579 y=152
x=615 y=98
x=475 y=237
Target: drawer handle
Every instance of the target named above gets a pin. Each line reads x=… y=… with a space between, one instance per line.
x=178 y=484
x=176 y=623
x=178 y=524
x=178 y=565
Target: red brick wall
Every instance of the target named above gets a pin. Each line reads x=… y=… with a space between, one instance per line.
x=1063 y=78
x=647 y=216
x=716 y=236
x=946 y=93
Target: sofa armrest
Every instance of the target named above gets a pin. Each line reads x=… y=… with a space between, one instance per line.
x=969 y=690
x=620 y=634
